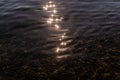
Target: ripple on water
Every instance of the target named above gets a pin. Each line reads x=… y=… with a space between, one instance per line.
x=85 y=42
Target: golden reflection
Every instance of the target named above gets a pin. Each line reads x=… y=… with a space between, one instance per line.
x=53 y=20
x=52 y=15
x=49 y=22
x=45 y=8
x=63 y=43
x=50 y=6
x=57 y=49
x=63 y=56
x=63 y=35
x=54 y=11
x=60 y=39
x=57 y=20
x=54 y=5
x=57 y=26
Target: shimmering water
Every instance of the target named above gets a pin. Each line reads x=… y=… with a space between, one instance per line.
x=59 y=40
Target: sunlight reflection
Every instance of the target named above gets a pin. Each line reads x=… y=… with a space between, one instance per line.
x=63 y=56
x=53 y=5
x=54 y=21
x=50 y=6
x=57 y=20
x=57 y=26
x=63 y=43
x=45 y=8
x=49 y=22
x=54 y=11
x=63 y=35
x=52 y=15
x=57 y=49
x=51 y=19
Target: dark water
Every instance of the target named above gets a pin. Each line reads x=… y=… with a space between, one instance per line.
x=83 y=43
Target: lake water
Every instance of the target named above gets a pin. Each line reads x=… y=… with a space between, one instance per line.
x=59 y=40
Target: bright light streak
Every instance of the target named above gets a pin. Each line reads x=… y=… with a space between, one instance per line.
x=45 y=8
x=50 y=6
x=63 y=56
x=51 y=19
x=52 y=15
x=63 y=35
x=54 y=11
x=57 y=49
x=57 y=26
x=54 y=5
x=63 y=43
x=57 y=20
x=49 y=22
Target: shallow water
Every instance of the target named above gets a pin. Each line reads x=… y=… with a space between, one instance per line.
x=62 y=39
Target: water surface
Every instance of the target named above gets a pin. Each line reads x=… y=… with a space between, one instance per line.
x=58 y=40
